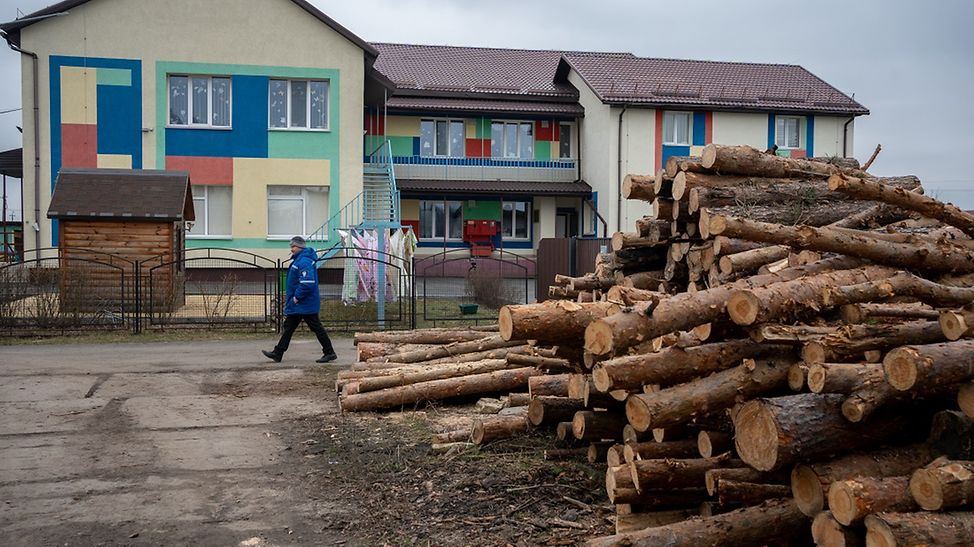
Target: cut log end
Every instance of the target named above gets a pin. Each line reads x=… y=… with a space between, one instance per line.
x=726 y=265
x=842 y=502
x=900 y=366
x=743 y=307
x=816 y=378
x=854 y=409
x=601 y=379
x=505 y=323
x=813 y=353
x=638 y=414
x=797 y=377
x=477 y=432
x=536 y=412
x=756 y=436
x=709 y=156
x=953 y=324
x=927 y=490
x=807 y=490
x=878 y=533
x=965 y=399
x=598 y=338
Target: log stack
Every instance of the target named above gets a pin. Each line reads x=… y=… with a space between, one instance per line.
x=804 y=325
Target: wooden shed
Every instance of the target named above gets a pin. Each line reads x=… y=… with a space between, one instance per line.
x=134 y=215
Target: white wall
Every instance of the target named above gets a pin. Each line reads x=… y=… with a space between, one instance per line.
x=828 y=136
x=595 y=151
x=741 y=128
x=638 y=158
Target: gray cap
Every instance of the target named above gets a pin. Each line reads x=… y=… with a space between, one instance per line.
x=298 y=241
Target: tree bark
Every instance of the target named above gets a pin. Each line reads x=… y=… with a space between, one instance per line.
x=714 y=477
x=675 y=164
x=788 y=334
x=588 y=425
x=552 y=410
x=957 y=324
x=649 y=281
x=852 y=341
x=878 y=190
x=439 y=372
x=448 y=350
x=641 y=521
x=889 y=529
x=630 y=240
x=720 y=390
x=810 y=483
x=942 y=486
x=714 y=443
x=673 y=473
x=486 y=430
x=723 y=191
x=639 y=187
x=851 y=500
x=772 y=521
x=792 y=299
x=902 y=284
x=675 y=365
x=547 y=364
x=917 y=253
x=749 y=261
x=749 y=493
x=563 y=454
x=652 y=450
x=456 y=436
x=422 y=336
x=437 y=390
x=843 y=378
x=745 y=160
x=620 y=331
x=370 y=350
x=868 y=398
x=628 y=296
x=965 y=399
x=928 y=367
x=853 y=314
x=773 y=433
x=555 y=385
x=552 y=322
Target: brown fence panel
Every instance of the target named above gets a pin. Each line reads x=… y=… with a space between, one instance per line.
x=586 y=250
x=553 y=258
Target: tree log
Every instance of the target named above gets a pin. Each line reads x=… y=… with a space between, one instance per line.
x=639 y=187
x=422 y=336
x=878 y=190
x=868 y=398
x=674 y=473
x=552 y=410
x=810 y=483
x=486 y=430
x=965 y=399
x=562 y=454
x=918 y=253
x=686 y=448
x=714 y=443
x=788 y=334
x=714 y=477
x=547 y=364
x=749 y=261
x=772 y=521
x=720 y=390
x=628 y=296
x=772 y=433
x=595 y=426
x=555 y=385
x=553 y=322
x=928 y=367
x=827 y=532
x=649 y=281
x=890 y=529
x=723 y=191
x=724 y=245
x=843 y=377
x=902 y=284
x=675 y=365
x=641 y=521
x=858 y=313
x=436 y=373
x=371 y=350
x=448 y=350
x=942 y=486
x=437 y=390
x=852 y=341
x=957 y=324
x=749 y=493
x=620 y=331
x=745 y=160
x=456 y=436
x=851 y=500
x=675 y=164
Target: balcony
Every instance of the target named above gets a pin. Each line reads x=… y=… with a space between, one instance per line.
x=485 y=169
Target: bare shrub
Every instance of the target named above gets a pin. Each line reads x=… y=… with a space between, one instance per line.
x=488 y=289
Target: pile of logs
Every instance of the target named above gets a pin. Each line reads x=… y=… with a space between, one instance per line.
x=777 y=354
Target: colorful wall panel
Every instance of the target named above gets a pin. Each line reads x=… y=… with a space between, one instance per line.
x=96 y=115
x=808 y=144
x=701 y=134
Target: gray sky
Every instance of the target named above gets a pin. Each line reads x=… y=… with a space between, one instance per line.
x=911 y=63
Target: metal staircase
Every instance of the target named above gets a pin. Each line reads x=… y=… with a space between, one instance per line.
x=377 y=207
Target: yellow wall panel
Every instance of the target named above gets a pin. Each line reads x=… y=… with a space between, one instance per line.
x=409 y=209
x=252 y=176
x=79 y=95
x=402 y=126
x=471 y=129
x=114 y=161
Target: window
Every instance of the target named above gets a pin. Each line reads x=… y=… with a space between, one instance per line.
x=676 y=128
x=440 y=219
x=298 y=104
x=296 y=210
x=200 y=101
x=565 y=141
x=512 y=140
x=516 y=218
x=213 y=209
x=787 y=134
x=442 y=138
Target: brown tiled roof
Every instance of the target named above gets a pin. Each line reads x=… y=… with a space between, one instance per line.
x=626 y=79
x=577 y=188
x=130 y=194
x=571 y=110
x=12 y=28
x=431 y=70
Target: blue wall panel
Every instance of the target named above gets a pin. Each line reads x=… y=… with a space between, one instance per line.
x=247 y=139
x=120 y=122
x=771 y=130
x=810 y=136
x=674 y=151
x=699 y=129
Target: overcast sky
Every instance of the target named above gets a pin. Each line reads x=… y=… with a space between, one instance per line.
x=911 y=63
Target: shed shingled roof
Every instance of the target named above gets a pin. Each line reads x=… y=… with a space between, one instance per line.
x=127 y=194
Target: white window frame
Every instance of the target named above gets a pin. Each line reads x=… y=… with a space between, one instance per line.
x=673 y=115
x=781 y=139
x=449 y=127
x=189 y=102
x=303 y=197
x=518 y=124
x=527 y=212
x=206 y=214
x=446 y=220
x=307 y=107
x=572 y=152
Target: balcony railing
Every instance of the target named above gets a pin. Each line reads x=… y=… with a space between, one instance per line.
x=429 y=168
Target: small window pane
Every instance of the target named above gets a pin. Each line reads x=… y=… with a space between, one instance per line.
x=278 y=191
x=299 y=104
x=521 y=220
x=442 y=138
x=456 y=220
x=429 y=219
x=201 y=110
x=526 y=142
x=199 y=225
x=510 y=140
x=507 y=219
x=497 y=140
x=221 y=102
x=426 y=128
x=316 y=205
x=220 y=206
x=683 y=129
x=439 y=219
x=178 y=100
x=284 y=217
x=457 y=139
x=319 y=105
x=565 y=141
x=278 y=103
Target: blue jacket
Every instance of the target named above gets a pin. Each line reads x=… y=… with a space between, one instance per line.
x=302 y=285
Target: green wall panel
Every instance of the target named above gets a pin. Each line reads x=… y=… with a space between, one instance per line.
x=483 y=128
x=542 y=150
x=401 y=146
x=481 y=210
x=302 y=145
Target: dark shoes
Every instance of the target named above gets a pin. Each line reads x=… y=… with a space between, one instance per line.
x=327 y=358
x=276 y=357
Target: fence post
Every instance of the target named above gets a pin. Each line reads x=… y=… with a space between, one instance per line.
x=278 y=293
x=412 y=296
x=137 y=297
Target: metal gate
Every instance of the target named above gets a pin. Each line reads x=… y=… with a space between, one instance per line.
x=453 y=286
x=574 y=256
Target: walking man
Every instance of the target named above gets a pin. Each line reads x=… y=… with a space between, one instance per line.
x=303 y=303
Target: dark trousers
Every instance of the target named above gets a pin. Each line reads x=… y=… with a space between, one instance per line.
x=291 y=323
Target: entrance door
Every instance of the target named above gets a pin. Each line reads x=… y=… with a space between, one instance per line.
x=566 y=223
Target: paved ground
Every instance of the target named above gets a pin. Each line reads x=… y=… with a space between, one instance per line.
x=160 y=443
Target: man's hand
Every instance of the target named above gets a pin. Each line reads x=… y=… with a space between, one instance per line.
x=294 y=299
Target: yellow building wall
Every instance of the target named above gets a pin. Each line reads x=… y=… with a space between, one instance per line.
x=251 y=178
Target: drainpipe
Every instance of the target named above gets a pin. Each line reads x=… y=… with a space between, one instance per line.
x=37 y=143
x=845 y=135
x=619 y=175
